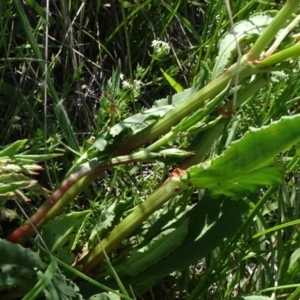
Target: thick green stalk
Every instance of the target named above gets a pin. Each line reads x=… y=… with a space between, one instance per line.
x=272 y=29
x=92 y=173
x=49 y=209
x=242 y=97
x=171 y=187
x=181 y=111
x=196 y=101
x=76 y=183
x=245 y=93
x=279 y=57
x=188 y=122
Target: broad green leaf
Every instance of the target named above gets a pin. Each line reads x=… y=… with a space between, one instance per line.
x=210 y=221
x=244 y=32
x=241 y=184
x=177 y=98
x=103 y=222
x=119 y=132
x=59 y=234
x=61 y=288
x=140 y=120
x=106 y=144
x=175 y=85
x=249 y=162
x=160 y=247
x=18 y=267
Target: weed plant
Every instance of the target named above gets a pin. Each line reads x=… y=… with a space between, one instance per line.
x=68 y=77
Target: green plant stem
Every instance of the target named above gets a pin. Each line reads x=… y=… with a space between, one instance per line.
x=171 y=187
x=272 y=29
x=90 y=175
x=127 y=40
x=196 y=101
x=49 y=209
x=188 y=122
x=74 y=185
x=247 y=92
x=205 y=143
x=278 y=57
x=181 y=111
x=295 y=295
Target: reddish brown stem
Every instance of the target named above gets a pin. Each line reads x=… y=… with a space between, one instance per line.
x=26 y=228
x=70 y=188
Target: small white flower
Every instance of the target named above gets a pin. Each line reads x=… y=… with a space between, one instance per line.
x=91 y=140
x=137 y=84
x=160 y=48
x=126 y=84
